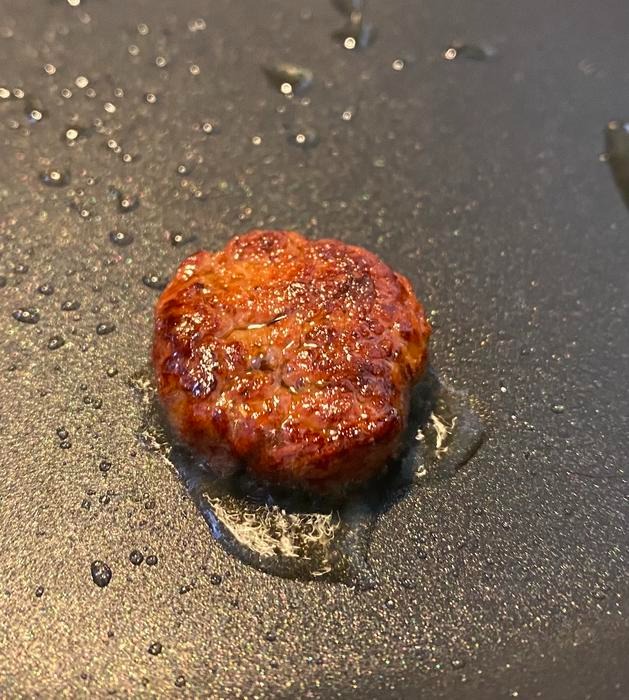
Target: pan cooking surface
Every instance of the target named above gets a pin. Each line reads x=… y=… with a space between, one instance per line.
x=132 y=134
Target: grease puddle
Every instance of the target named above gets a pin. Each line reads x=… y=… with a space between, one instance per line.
x=300 y=536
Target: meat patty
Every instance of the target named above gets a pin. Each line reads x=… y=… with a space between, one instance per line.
x=291 y=357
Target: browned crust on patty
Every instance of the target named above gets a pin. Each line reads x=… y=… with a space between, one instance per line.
x=291 y=357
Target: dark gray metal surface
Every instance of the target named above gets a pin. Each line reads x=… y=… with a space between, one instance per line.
x=480 y=181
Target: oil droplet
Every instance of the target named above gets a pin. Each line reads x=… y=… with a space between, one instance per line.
x=54 y=178
x=289 y=79
x=161 y=62
x=70 y=305
x=617 y=143
x=136 y=557
x=26 y=315
x=46 y=289
x=71 y=135
x=81 y=81
x=155 y=281
x=150 y=98
x=121 y=238
x=558 y=408
x=304 y=138
x=180 y=681
x=104 y=465
x=101 y=573
x=127 y=203
x=177 y=239
x=34 y=116
x=256 y=140
x=55 y=342
x=105 y=328
x=151 y=560
x=208 y=128
x=357 y=33
x=474 y=52
x=50 y=69
x=155 y=649
x=194 y=69
x=398 y=64
x=196 y=25
x=20 y=269
x=39 y=591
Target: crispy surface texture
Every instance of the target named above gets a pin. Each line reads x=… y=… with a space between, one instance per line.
x=291 y=357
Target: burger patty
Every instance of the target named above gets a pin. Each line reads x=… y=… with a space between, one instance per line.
x=292 y=358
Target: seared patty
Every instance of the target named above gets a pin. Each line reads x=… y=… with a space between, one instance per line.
x=292 y=358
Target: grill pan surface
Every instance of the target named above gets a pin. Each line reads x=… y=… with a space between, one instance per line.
x=478 y=179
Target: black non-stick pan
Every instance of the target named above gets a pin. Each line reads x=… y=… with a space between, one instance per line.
x=133 y=133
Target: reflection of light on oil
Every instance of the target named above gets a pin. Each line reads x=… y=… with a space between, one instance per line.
x=270 y=531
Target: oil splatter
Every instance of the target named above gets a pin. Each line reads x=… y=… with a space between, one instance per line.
x=304 y=138
x=617 y=144
x=301 y=536
x=155 y=281
x=30 y=316
x=121 y=238
x=54 y=178
x=178 y=239
x=357 y=32
x=105 y=328
x=55 y=342
x=101 y=573
x=475 y=52
x=289 y=78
